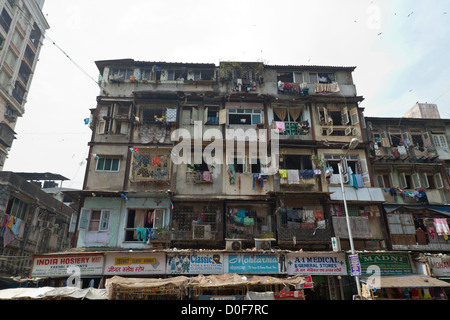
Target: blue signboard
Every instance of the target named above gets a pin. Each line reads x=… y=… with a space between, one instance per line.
x=252 y=263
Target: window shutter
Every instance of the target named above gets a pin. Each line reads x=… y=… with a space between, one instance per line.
x=194 y=115
x=186 y=116
x=104 y=220
x=205 y=115
x=329 y=131
x=438 y=180
x=348 y=131
x=354 y=115
x=355 y=132
x=85 y=217
x=416 y=180
x=223 y=116
x=426 y=139
x=380 y=182
x=344 y=115
x=391 y=180
x=124 y=127
x=426 y=184
x=101 y=126
x=384 y=140
x=403 y=183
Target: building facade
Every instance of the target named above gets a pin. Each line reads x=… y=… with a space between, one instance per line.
x=22 y=29
x=32 y=222
x=237 y=163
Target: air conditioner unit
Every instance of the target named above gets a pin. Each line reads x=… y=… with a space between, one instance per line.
x=201 y=232
x=233 y=244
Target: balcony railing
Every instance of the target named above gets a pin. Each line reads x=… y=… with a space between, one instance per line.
x=293 y=128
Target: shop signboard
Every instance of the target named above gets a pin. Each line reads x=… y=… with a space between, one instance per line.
x=328 y=263
x=198 y=263
x=134 y=263
x=252 y=263
x=355 y=266
x=65 y=265
x=389 y=263
x=440 y=266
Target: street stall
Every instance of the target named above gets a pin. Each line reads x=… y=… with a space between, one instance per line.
x=233 y=286
x=403 y=287
x=119 y=288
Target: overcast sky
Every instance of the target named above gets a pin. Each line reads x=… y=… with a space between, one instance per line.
x=400 y=50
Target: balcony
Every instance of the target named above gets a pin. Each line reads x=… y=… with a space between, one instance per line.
x=198 y=177
x=293 y=130
x=307 y=224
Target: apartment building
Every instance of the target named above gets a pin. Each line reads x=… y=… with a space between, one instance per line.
x=22 y=28
x=197 y=168
x=409 y=157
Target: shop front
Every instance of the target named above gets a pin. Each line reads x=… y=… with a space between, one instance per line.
x=80 y=270
x=323 y=270
x=393 y=276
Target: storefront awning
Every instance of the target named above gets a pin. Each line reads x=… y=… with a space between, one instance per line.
x=439 y=209
x=361 y=194
x=404 y=281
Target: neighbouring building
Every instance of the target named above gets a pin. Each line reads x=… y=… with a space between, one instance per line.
x=22 y=29
x=32 y=222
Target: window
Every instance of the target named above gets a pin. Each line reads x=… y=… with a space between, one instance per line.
x=395 y=139
x=211 y=115
x=35 y=35
x=189 y=114
x=440 y=141
x=151 y=114
x=405 y=181
x=121 y=73
x=5 y=20
x=29 y=55
x=95 y=220
x=285 y=77
x=108 y=164
x=385 y=181
x=17 y=208
x=18 y=92
x=417 y=140
x=300 y=162
x=143 y=218
x=244 y=116
x=358 y=166
x=402 y=229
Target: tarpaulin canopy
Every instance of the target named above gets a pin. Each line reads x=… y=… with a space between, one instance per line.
x=404 y=281
x=233 y=279
x=51 y=292
x=439 y=209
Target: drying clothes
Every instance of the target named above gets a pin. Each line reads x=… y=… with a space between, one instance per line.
x=401 y=150
x=10 y=221
x=441 y=227
x=141 y=234
x=306 y=174
x=206 y=176
x=232 y=173
x=359 y=180
x=156 y=161
x=171 y=114
x=283 y=173
x=292 y=176
x=279 y=126
x=15 y=226
x=8 y=237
